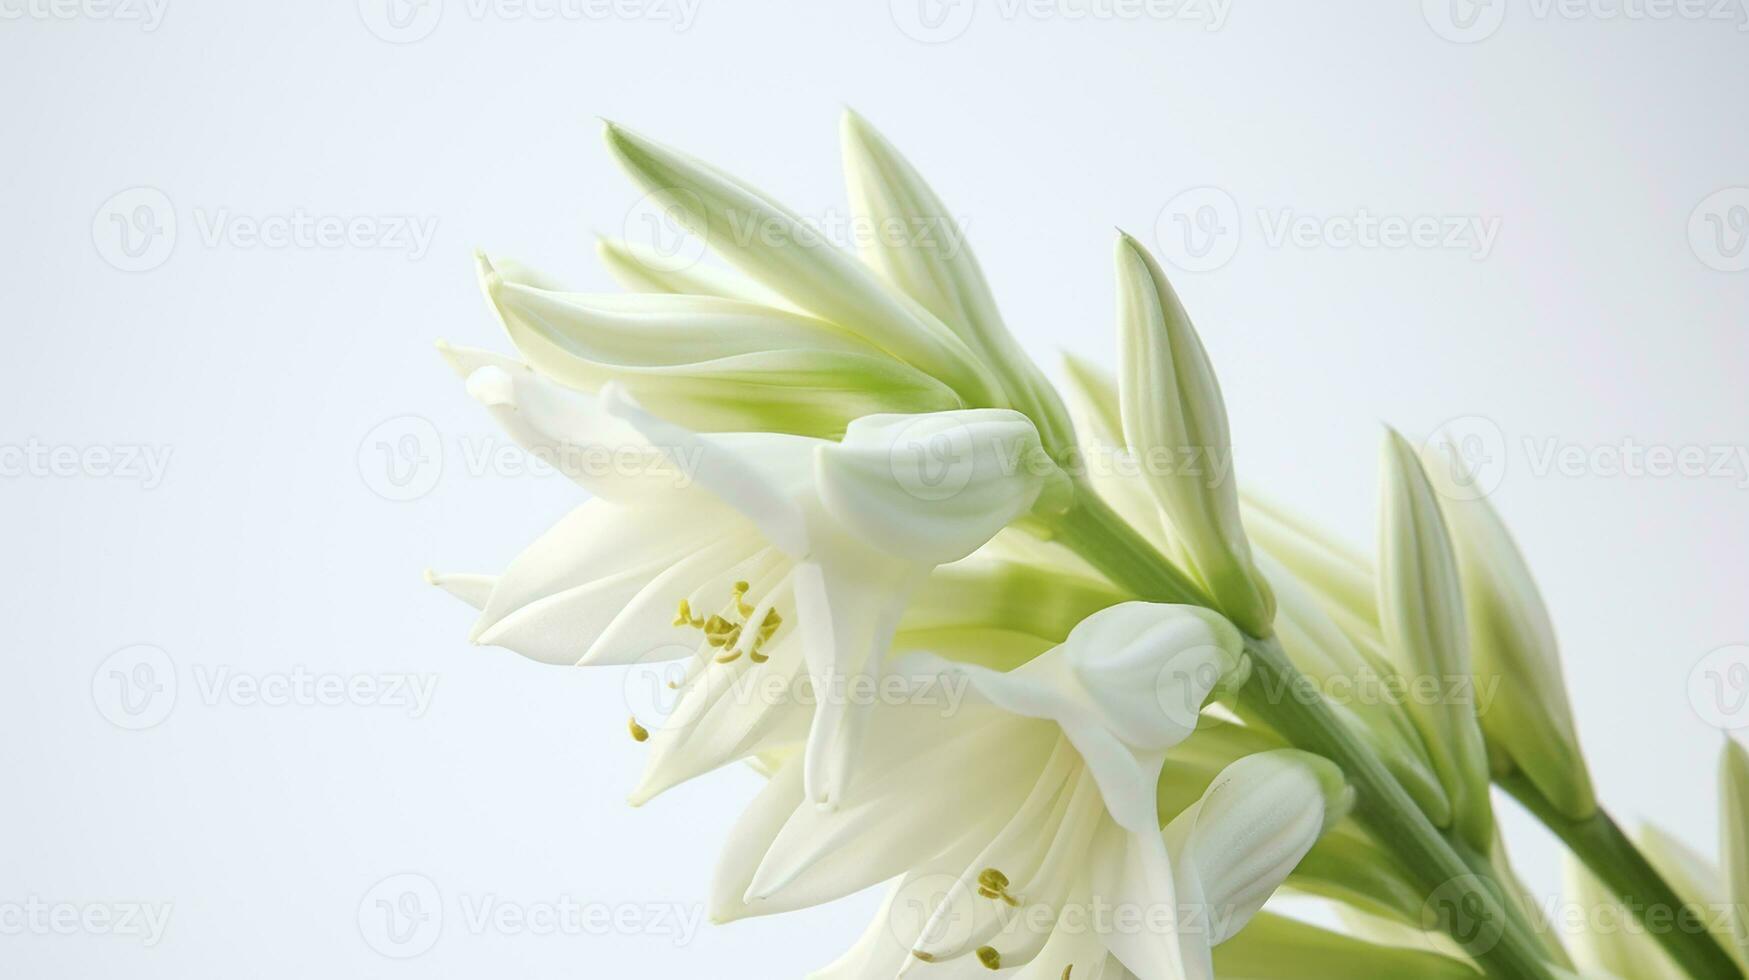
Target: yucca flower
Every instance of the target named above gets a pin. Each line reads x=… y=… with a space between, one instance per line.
x=1096 y=683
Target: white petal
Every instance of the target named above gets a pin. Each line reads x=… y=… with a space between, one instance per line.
x=471 y=589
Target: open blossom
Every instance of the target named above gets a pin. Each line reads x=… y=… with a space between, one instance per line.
x=766 y=526
x=971 y=656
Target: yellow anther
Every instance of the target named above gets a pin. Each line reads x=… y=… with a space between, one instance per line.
x=741 y=605
x=988 y=956
x=993 y=884
x=639 y=732
x=755 y=656
x=684 y=617
x=925 y=957
x=1068 y=970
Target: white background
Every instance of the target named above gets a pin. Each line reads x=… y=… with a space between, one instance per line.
x=268 y=548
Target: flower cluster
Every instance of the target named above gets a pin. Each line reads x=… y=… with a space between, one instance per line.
x=844 y=475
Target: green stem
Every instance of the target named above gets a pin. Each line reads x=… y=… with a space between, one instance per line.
x=1465 y=904
x=1616 y=862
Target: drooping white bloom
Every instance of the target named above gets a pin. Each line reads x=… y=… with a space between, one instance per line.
x=1421 y=609
x=1043 y=842
x=1176 y=422
x=738 y=531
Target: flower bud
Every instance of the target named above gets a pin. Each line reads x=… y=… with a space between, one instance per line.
x=1734 y=838
x=1421 y=610
x=775 y=247
x=1175 y=421
x=1513 y=651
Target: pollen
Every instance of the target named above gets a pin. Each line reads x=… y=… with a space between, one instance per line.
x=724 y=633
x=988 y=956
x=639 y=732
x=993 y=884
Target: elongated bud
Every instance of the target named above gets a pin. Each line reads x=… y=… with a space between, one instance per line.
x=1421 y=610
x=708 y=363
x=1176 y=423
x=775 y=247
x=1235 y=846
x=1734 y=838
x=920 y=248
x=1513 y=650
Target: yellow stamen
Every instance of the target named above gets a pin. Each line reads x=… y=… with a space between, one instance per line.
x=988 y=956
x=993 y=884
x=639 y=732
x=925 y=957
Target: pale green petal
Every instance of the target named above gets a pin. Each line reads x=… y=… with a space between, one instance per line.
x=710 y=364
x=1734 y=837
x=1176 y=422
x=1513 y=651
x=933 y=488
x=772 y=245
x=1273 y=947
x=918 y=246
x=1238 y=844
x=1421 y=608
x=640 y=269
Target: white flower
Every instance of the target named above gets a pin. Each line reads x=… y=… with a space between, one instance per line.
x=737 y=531
x=1032 y=813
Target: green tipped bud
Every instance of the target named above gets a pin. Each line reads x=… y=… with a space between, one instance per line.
x=1529 y=724
x=1421 y=611
x=775 y=247
x=1176 y=423
x=930 y=261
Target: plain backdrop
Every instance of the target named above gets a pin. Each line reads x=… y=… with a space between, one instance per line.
x=207 y=703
